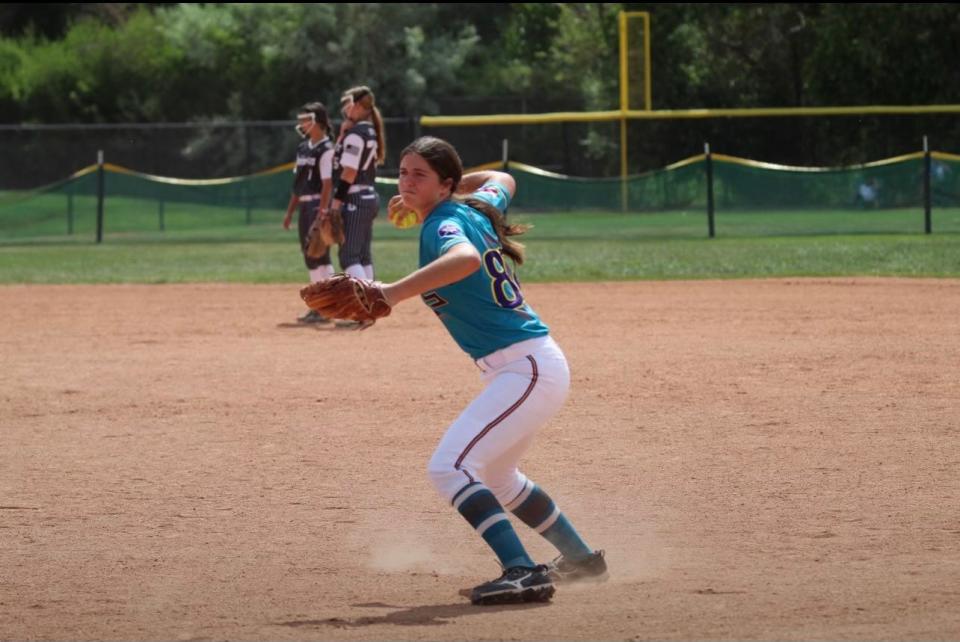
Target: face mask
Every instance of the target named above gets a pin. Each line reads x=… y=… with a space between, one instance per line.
x=304 y=128
x=346 y=104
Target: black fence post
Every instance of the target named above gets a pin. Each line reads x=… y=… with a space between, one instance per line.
x=505 y=154
x=100 y=195
x=70 y=210
x=415 y=125
x=708 y=158
x=246 y=201
x=246 y=181
x=927 y=215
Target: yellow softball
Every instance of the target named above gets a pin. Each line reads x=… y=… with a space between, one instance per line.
x=405 y=220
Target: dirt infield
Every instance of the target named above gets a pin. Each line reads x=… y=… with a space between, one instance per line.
x=760 y=459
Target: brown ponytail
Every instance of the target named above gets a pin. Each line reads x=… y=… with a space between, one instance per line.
x=513 y=249
x=381 y=135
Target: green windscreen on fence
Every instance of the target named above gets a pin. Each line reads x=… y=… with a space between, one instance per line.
x=749 y=199
x=886 y=196
x=680 y=186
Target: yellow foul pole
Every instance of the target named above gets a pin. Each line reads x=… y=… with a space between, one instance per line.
x=647 y=71
x=624 y=100
x=625 y=91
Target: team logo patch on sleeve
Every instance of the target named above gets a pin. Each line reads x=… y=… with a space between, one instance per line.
x=449 y=229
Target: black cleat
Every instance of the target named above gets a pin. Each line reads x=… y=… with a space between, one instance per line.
x=313 y=317
x=348 y=324
x=591 y=569
x=517 y=584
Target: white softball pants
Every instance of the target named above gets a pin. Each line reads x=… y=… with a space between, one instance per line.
x=527 y=383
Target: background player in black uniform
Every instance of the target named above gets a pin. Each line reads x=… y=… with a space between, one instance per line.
x=359 y=150
x=312 y=188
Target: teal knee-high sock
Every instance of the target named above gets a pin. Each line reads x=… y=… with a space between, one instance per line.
x=482 y=510
x=535 y=509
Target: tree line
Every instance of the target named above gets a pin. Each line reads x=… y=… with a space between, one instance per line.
x=127 y=62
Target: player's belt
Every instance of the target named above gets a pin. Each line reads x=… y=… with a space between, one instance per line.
x=358 y=189
x=306 y=198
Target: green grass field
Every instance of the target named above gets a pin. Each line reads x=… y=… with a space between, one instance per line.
x=211 y=243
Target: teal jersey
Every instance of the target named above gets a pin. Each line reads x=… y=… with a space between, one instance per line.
x=485 y=311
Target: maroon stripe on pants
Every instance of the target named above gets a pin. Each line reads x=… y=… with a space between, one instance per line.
x=490 y=426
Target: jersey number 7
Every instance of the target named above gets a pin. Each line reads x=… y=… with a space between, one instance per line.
x=372 y=146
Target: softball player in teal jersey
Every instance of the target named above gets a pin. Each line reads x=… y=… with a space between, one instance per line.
x=466 y=279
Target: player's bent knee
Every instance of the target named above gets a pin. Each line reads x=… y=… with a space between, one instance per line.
x=446 y=478
x=506 y=489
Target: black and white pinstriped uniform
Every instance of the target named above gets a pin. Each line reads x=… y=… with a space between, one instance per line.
x=314 y=164
x=358 y=150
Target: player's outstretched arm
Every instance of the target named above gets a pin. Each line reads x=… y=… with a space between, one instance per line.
x=459 y=262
